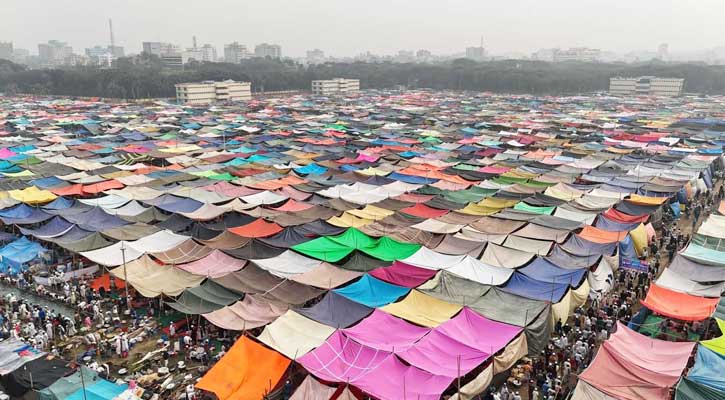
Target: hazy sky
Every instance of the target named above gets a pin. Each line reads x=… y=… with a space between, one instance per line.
x=346 y=28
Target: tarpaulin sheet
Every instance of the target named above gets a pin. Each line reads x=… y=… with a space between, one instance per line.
x=205 y=298
x=532 y=315
x=257 y=229
x=601 y=236
x=402 y=274
x=704 y=255
x=36 y=374
x=397 y=336
x=469 y=339
x=294 y=335
x=336 y=311
x=621 y=369
x=151 y=279
x=679 y=305
x=312 y=389
x=544 y=271
x=326 y=276
x=372 y=292
x=534 y=231
x=717 y=344
x=528 y=287
x=708 y=369
x=246 y=371
x=506 y=257
x=251 y=312
x=690 y=390
x=98 y=390
x=378 y=373
x=422 y=309
x=670 y=279
x=454 y=289
x=214 y=265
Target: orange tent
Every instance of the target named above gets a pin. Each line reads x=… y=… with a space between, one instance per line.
x=646 y=200
x=104 y=281
x=246 y=372
x=597 y=235
x=258 y=228
x=679 y=305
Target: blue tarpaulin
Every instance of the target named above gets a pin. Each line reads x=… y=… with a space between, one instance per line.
x=372 y=292
x=543 y=270
x=101 y=390
x=708 y=369
x=531 y=288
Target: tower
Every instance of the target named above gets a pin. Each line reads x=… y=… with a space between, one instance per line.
x=110 y=28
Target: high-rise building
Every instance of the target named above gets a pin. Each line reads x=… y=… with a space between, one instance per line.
x=315 y=56
x=268 y=50
x=646 y=86
x=116 y=51
x=234 y=52
x=6 y=50
x=54 y=52
x=160 y=49
x=21 y=56
x=423 y=55
x=476 y=53
x=335 y=86
x=583 y=54
x=663 y=52
x=213 y=92
x=208 y=53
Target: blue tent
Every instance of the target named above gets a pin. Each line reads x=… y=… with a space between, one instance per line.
x=372 y=292
x=524 y=286
x=23 y=214
x=545 y=271
x=613 y=226
x=14 y=255
x=101 y=390
x=55 y=227
x=708 y=369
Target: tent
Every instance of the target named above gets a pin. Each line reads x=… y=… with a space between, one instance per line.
x=622 y=370
x=247 y=371
x=294 y=335
x=251 y=312
x=679 y=305
x=372 y=292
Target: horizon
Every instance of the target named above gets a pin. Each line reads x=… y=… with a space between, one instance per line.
x=520 y=27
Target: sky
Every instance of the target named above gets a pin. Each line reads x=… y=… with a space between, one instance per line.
x=347 y=28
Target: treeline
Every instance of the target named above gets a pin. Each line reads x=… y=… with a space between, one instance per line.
x=148 y=78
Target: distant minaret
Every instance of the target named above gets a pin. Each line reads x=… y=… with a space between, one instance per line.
x=194 y=40
x=113 y=41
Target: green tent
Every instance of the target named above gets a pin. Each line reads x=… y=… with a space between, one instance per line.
x=691 y=390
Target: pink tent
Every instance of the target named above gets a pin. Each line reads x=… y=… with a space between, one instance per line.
x=214 y=265
x=632 y=366
x=379 y=373
x=460 y=344
x=398 y=334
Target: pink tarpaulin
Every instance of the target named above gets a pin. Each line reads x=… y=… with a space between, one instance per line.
x=214 y=265
x=632 y=366
x=397 y=336
x=402 y=274
x=379 y=373
x=460 y=344
x=7 y=153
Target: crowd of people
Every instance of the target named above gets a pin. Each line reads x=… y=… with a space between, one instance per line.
x=552 y=375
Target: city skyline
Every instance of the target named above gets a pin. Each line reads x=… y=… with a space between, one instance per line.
x=345 y=30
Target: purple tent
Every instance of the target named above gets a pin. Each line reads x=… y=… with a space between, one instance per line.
x=460 y=344
x=379 y=373
x=336 y=311
x=397 y=335
x=402 y=274
x=96 y=220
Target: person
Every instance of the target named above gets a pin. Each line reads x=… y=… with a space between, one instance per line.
x=535 y=394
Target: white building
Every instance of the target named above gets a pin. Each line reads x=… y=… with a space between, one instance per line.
x=212 y=92
x=335 y=86
x=208 y=53
x=583 y=54
x=476 y=53
x=160 y=49
x=646 y=86
x=234 y=52
x=268 y=50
